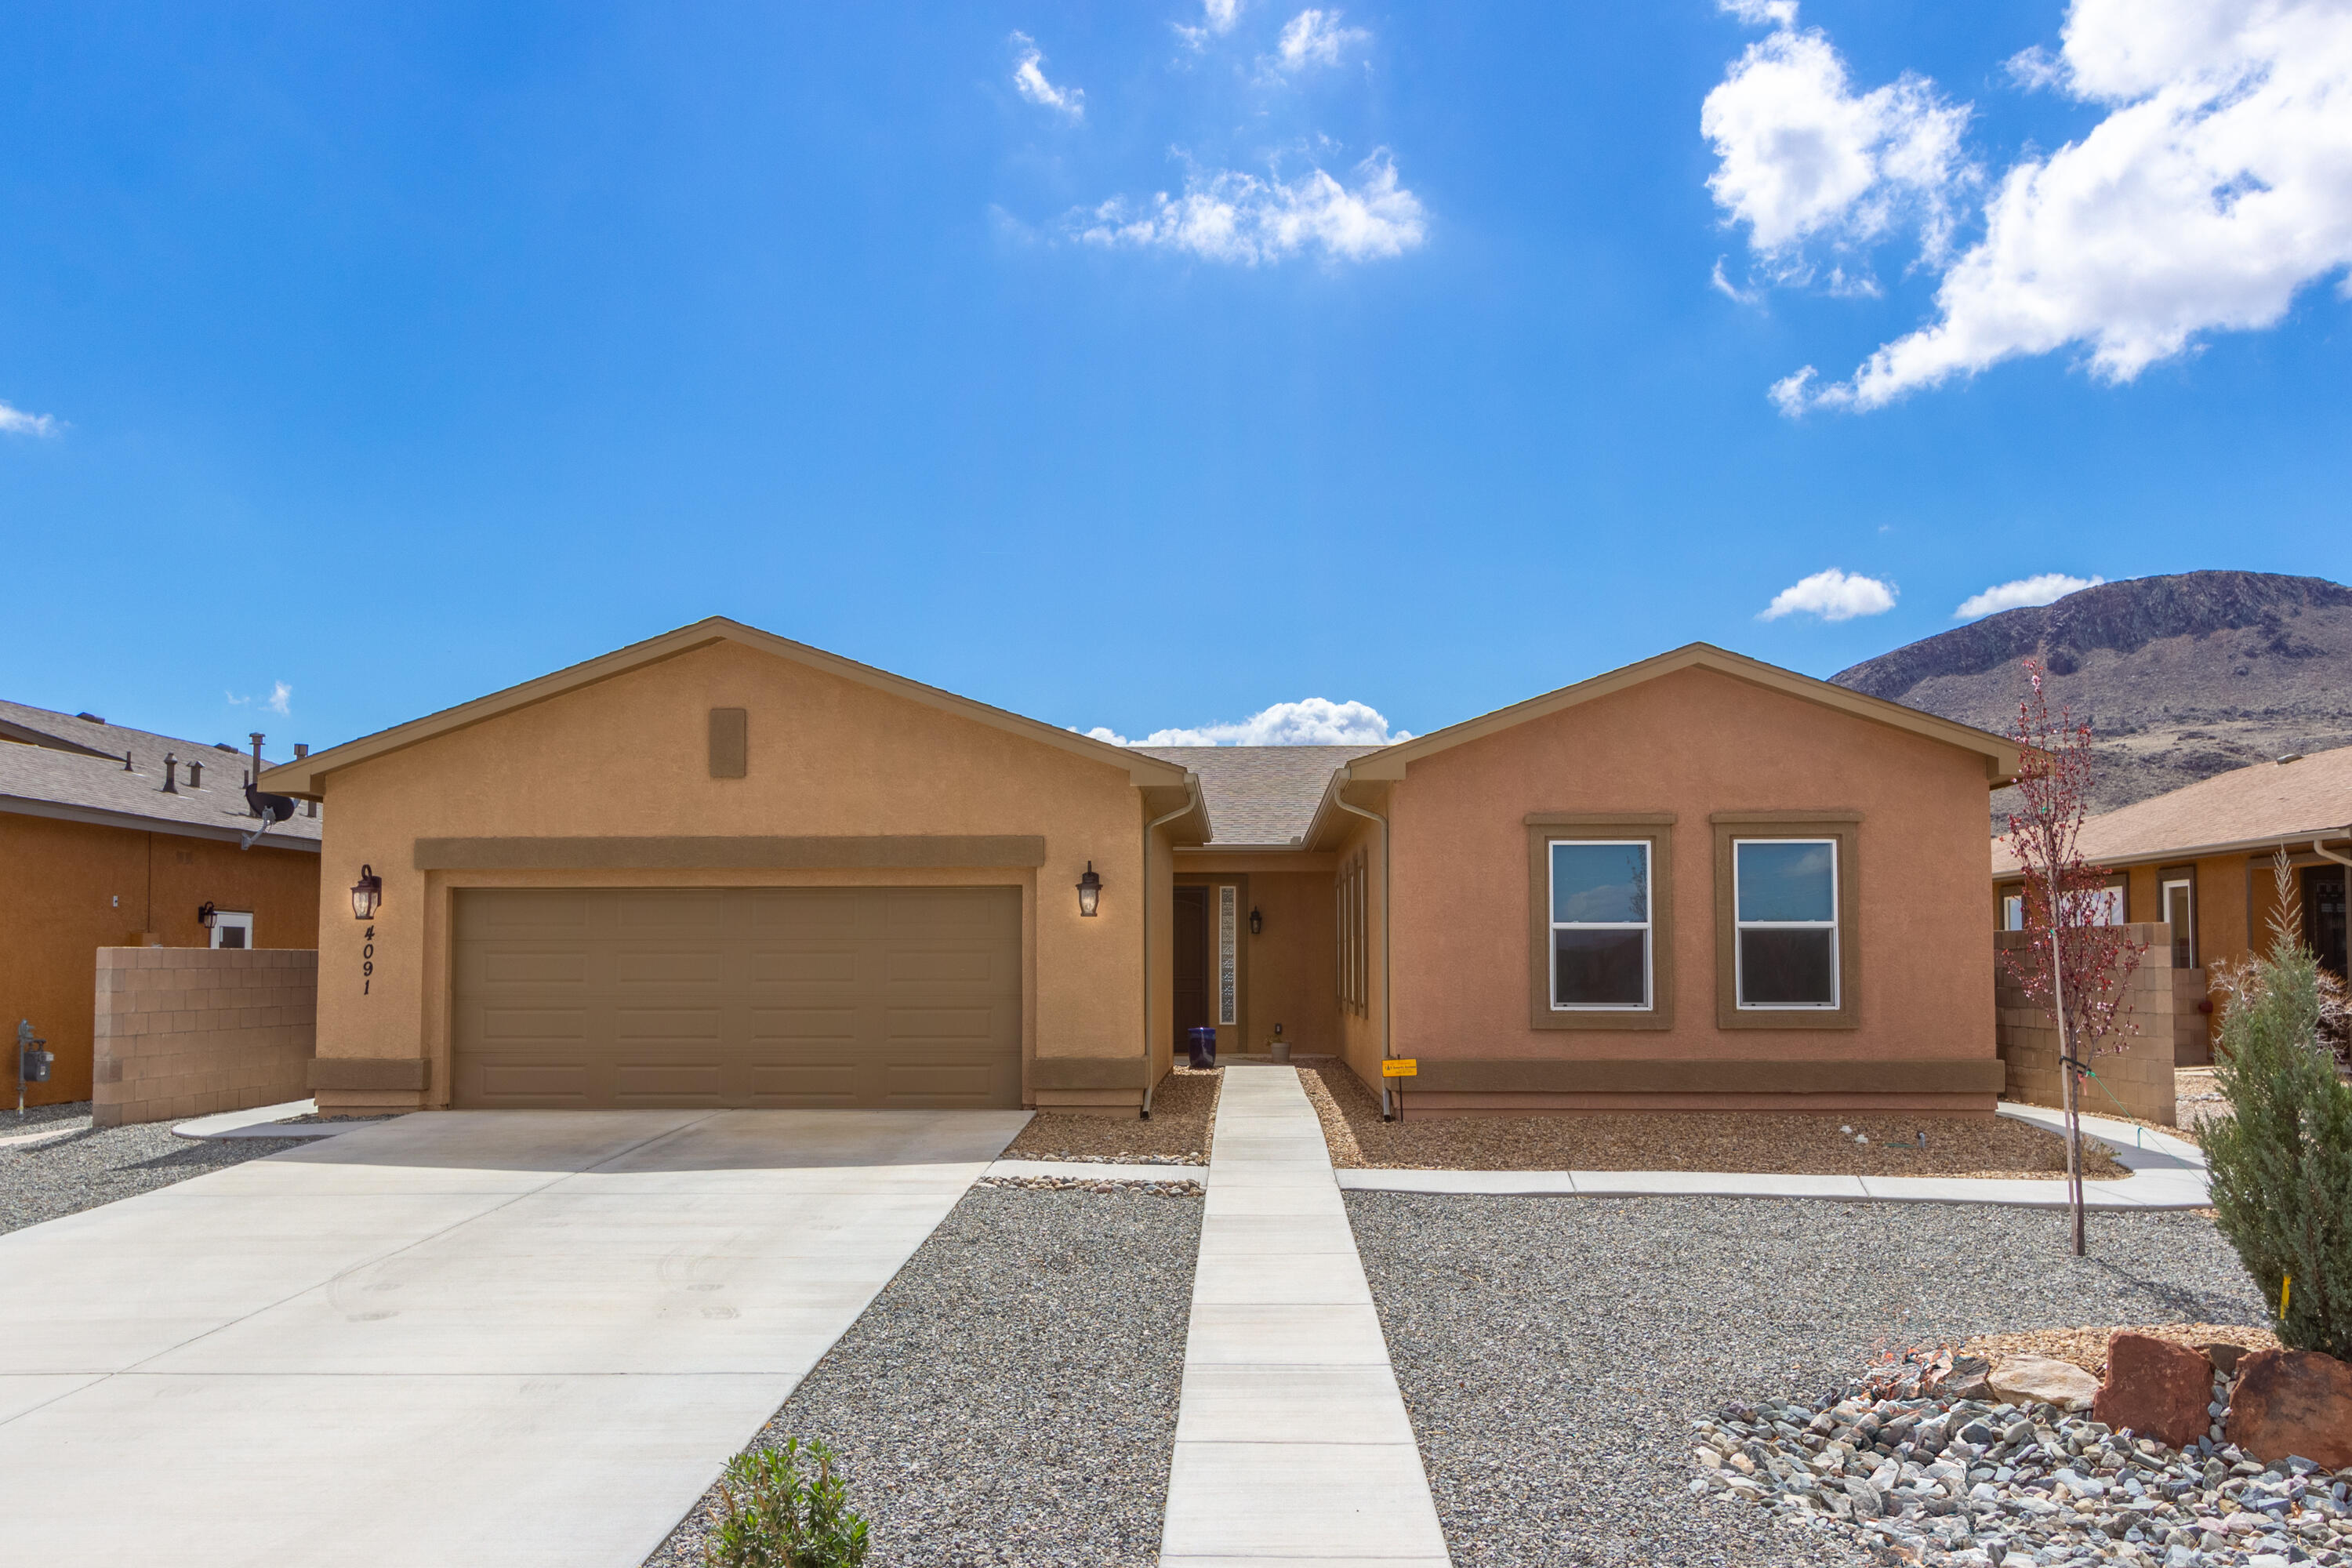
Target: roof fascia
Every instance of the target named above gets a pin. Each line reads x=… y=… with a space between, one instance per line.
x=302 y=778
x=132 y=822
x=2276 y=841
x=2000 y=755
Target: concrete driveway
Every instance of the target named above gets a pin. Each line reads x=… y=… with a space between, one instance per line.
x=485 y=1337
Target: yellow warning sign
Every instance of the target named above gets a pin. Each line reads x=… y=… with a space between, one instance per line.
x=1401 y=1067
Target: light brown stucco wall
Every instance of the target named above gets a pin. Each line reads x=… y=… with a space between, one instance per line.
x=72 y=888
x=629 y=757
x=1291 y=978
x=1694 y=742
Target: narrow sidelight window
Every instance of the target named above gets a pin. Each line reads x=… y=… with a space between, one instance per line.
x=2180 y=914
x=1785 y=906
x=1600 y=924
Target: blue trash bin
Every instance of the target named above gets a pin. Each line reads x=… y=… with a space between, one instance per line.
x=1205 y=1048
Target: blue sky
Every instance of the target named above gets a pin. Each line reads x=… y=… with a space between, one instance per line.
x=393 y=355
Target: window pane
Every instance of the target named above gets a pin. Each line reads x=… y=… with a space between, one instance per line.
x=1786 y=968
x=1788 y=881
x=1604 y=882
x=1599 y=968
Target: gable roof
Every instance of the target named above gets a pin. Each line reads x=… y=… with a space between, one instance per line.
x=1389 y=763
x=58 y=765
x=2246 y=810
x=1261 y=795
x=1162 y=782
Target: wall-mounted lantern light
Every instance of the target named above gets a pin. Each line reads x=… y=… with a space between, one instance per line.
x=367 y=894
x=1090 y=890
x=1258 y=920
x=205 y=914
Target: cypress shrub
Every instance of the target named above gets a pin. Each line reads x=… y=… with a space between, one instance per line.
x=2281 y=1162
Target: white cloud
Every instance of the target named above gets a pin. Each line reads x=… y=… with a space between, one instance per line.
x=1315 y=722
x=1217 y=19
x=1762 y=13
x=1803 y=157
x=1314 y=37
x=2218 y=186
x=14 y=421
x=1029 y=78
x=1834 y=596
x=1228 y=216
x=2041 y=590
x=280 y=696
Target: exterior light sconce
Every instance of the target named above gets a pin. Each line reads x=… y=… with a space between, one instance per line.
x=1090 y=890
x=205 y=914
x=1258 y=920
x=367 y=894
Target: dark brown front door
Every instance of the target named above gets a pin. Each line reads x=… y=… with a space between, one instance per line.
x=2323 y=915
x=1192 y=961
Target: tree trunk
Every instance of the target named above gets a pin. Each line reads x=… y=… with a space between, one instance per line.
x=2067 y=1089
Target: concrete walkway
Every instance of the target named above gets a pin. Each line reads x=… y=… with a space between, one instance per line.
x=1292 y=1442
x=2167 y=1173
x=520 y=1338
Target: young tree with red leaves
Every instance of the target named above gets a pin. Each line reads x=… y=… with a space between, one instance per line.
x=2077 y=964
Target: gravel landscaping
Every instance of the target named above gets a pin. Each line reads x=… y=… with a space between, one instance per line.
x=1010 y=1398
x=88 y=1166
x=1184 y=1114
x=1554 y=1352
x=1842 y=1143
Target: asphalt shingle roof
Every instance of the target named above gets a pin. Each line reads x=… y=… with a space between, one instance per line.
x=46 y=760
x=2269 y=803
x=1260 y=794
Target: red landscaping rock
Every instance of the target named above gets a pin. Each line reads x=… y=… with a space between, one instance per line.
x=2157 y=1388
x=2294 y=1403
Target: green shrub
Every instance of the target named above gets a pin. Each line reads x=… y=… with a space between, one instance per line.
x=2281 y=1162
x=774 y=1515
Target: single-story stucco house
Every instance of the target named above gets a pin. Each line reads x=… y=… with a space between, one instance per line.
x=720 y=867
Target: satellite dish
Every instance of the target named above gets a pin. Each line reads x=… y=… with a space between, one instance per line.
x=272 y=810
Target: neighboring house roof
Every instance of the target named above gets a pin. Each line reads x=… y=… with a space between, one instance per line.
x=61 y=766
x=1165 y=785
x=2243 y=810
x=1261 y=795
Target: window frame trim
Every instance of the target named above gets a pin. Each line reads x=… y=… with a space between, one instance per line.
x=1844 y=826
x=1656 y=828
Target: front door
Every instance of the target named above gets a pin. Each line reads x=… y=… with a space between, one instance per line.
x=2323 y=915
x=1192 y=961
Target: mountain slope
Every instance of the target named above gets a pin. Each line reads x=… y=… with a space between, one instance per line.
x=2180 y=677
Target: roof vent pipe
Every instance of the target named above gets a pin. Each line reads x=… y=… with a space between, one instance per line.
x=171 y=773
x=91 y=717
x=126 y=763
x=301 y=749
x=195 y=775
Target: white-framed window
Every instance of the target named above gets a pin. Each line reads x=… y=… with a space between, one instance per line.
x=1601 y=925
x=232 y=928
x=2012 y=911
x=1784 y=895
x=2178 y=897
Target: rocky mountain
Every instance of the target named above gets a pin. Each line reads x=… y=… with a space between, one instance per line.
x=2180 y=677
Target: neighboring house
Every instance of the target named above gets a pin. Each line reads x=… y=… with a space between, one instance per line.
x=1699 y=881
x=2200 y=860
x=95 y=851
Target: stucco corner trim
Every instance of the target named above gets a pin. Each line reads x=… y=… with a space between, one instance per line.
x=371 y=1073
x=908 y=851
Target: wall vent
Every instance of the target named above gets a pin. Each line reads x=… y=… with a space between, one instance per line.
x=731 y=743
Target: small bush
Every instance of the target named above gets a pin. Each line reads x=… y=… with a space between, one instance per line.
x=2281 y=1162
x=776 y=1516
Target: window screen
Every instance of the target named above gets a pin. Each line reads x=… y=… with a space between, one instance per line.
x=1785 y=914
x=1600 y=923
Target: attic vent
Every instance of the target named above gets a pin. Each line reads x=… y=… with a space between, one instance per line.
x=91 y=717
x=2286 y=757
x=731 y=743
x=225 y=746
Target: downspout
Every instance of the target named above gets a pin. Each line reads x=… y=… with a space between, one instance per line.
x=1388 y=1017
x=1192 y=800
x=2320 y=848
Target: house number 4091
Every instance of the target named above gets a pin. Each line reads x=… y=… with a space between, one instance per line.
x=367 y=961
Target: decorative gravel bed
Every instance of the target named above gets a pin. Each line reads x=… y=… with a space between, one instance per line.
x=1838 y=1144
x=1554 y=1352
x=89 y=1166
x=1010 y=1398
x=1184 y=1112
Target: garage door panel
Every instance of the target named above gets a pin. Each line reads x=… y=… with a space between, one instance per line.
x=782 y=997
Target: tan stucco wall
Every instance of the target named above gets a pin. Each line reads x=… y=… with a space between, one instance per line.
x=1694 y=742
x=629 y=757
x=72 y=888
x=1360 y=1034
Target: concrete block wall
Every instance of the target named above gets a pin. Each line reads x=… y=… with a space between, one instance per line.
x=2133 y=1070
x=188 y=1031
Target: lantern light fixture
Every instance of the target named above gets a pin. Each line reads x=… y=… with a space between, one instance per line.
x=1090 y=890
x=367 y=894
x=1258 y=920
x=207 y=914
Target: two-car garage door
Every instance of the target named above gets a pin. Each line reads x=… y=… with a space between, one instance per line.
x=738 y=996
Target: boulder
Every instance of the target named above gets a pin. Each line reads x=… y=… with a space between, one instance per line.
x=2293 y=1403
x=2224 y=1356
x=2157 y=1388
x=1966 y=1379
x=2025 y=1379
